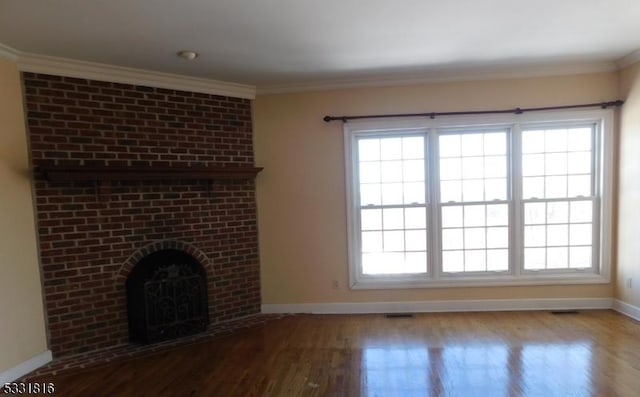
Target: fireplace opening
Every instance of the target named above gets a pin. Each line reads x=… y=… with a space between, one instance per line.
x=166 y=297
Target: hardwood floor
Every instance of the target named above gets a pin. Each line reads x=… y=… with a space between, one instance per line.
x=593 y=353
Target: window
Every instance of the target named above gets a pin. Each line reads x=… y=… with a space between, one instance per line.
x=523 y=199
x=474 y=203
x=392 y=207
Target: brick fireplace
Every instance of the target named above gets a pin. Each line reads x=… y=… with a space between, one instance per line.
x=91 y=233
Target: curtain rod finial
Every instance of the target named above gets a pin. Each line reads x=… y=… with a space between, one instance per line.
x=327 y=119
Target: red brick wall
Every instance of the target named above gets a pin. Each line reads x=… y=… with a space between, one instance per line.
x=88 y=236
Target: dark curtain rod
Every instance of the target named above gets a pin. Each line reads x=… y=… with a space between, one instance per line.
x=432 y=115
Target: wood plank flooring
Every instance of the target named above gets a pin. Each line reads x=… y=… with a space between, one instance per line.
x=593 y=353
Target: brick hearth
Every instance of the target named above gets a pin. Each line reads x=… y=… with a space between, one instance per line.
x=90 y=234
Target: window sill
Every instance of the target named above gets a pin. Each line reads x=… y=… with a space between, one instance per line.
x=489 y=281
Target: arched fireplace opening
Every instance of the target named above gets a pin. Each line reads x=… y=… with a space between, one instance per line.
x=166 y=297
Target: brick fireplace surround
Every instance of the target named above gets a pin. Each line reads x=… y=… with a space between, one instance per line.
x=90 y=235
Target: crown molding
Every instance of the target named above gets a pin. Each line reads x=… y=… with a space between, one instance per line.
x=118 y=74
x=35 y=63
x=8 y=53
x=493 y=72
x=628 y=59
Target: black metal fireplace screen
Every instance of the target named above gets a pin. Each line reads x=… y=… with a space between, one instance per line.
x=166 y=297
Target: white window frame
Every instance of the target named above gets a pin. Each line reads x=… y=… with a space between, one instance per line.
x=434 y=278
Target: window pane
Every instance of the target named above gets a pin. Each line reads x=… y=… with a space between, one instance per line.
x=452 y=239
x=474 y=215
x=472 y=190
x=581 y=234
x=414 y=193
x=534 y=213
x=415 y=218
x=497 y=237
x=371 y=219
x=475 y=261
x=535 y=258
x=557 y=235
x=495 y=189
x=450 y=168
x=580 y=163
x=391 y=171
x=581 y=211
x=497 y=215
x=472 y=167
x=579 y=257
x=495 y=167
x=557 y=258
x=533 y=164
x=370 y=194
x=484 y=176
x=415 y=262
x=370 y=172
x=555 y=186
x=394 y=241
x=495 y=143
x=450 y=191
x=373 y=263
x=391 y=193
x=533 y=141
x=369 y=149
x=413 y=170
x=557 y=212
x=393 y=218
x=474 y=238
x=449 y=145
x=416 y=240
x=391 y=148
x=533 y=187
x=535 y=236
x=383 y=263
x=453 y=261
x=413 y=147
x=579 y=139
x=555 y=164
x=472 y=144
x=371 y=242
x=452 y=216
x=498 y=260
x=579 y=185
x=555 y=140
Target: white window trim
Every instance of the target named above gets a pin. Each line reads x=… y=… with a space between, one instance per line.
x=434 y=278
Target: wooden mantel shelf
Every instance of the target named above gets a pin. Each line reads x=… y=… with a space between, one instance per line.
x=139 y=173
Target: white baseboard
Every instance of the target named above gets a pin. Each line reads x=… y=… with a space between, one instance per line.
x=626 y=309
x=24 y=368
x=441 y=306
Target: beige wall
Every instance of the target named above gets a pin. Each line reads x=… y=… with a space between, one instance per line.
x=301 y=192
x=22 y=328
x=628 y=253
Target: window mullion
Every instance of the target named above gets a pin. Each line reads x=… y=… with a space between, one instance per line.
x=434 y=204
x=517 y=205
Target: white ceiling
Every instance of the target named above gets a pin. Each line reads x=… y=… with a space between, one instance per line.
x=272 y=43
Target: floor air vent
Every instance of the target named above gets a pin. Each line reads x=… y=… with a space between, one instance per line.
x=565 y=312
x=399 y=315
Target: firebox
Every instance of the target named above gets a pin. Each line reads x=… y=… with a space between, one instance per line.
x=166 y=297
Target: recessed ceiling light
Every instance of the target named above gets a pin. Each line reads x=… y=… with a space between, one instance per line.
x=188 y=55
